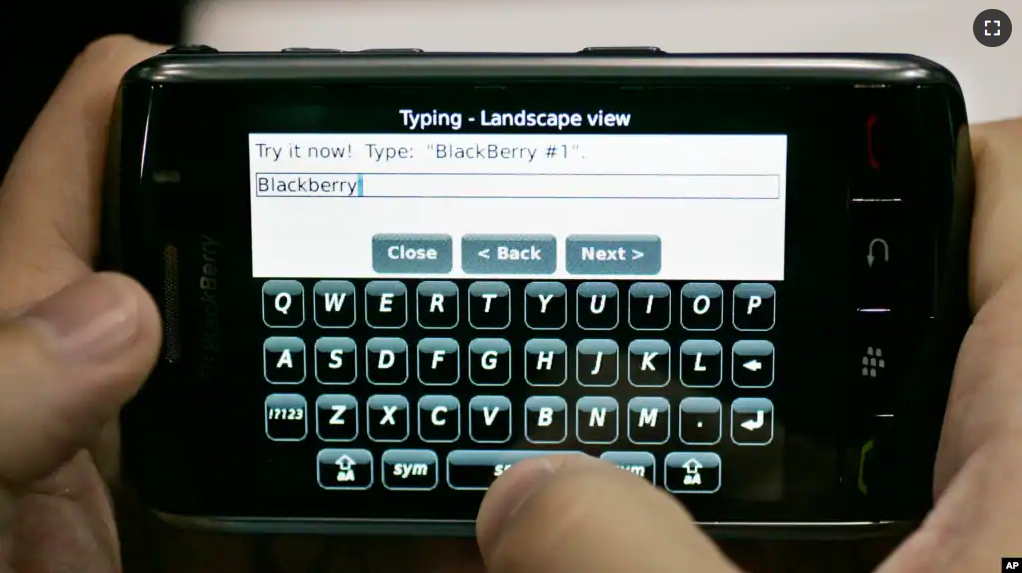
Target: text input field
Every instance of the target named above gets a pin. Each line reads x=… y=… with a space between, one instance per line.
x=523 y=186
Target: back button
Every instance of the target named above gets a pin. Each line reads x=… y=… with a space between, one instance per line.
x=883 y=256
x=509 y=254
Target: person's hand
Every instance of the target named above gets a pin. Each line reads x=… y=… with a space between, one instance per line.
x=74 y=345
x=71 y=355
x=571 y=514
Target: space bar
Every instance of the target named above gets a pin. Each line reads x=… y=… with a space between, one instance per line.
x=476 y=469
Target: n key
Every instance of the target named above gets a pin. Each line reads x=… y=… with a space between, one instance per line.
x=596 y=420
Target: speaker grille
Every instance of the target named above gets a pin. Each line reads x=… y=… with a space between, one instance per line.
x=171 y=305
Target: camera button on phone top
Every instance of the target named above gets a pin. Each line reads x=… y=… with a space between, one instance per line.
x=623 y=51
x=311 y=51
x=393 y=51
x=192 y=49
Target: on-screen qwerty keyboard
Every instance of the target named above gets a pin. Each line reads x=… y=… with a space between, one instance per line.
x=668 y=343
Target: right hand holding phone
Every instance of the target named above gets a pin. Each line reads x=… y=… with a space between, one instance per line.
x=561 y=515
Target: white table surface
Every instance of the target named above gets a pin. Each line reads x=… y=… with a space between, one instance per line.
x=938 y=29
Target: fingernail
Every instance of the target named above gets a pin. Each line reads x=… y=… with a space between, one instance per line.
x=535 y=475
x=89 y=320
x=518 y=484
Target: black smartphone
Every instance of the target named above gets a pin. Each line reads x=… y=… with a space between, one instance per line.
x=387 y=276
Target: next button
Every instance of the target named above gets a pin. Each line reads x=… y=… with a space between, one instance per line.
x=613 y=254
x=412 y=254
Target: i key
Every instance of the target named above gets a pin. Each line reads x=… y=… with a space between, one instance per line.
x=649 y=306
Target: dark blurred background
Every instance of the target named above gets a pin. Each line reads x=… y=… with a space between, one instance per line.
x=38 y=39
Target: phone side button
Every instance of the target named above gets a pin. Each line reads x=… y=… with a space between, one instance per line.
x=191 y=49
x=393 y=51
x=623 y=51
x=311 y=51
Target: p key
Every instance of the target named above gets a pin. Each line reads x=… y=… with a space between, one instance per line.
x=754 y=306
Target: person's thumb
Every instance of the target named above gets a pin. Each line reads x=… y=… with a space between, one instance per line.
x=67 y=365
x=563 y=514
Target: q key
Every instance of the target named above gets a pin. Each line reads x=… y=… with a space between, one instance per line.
x=283 y=304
